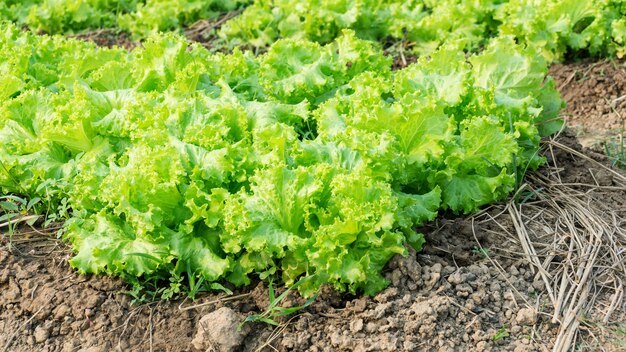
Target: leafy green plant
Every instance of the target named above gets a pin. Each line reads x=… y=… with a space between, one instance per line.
x=309 y=161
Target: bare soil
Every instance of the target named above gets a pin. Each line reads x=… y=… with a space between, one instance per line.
x=595 y=93
x=474 y=287
x=109 y=38
x=445 y=297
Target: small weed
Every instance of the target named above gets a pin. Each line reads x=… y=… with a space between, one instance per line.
x=169 y=284
x=483 y=252
x=611 y=335
x=400 y=51
x=15 y=210
x=615 y=150
x=143 y=292
x=197 y=284
x=274 y=310
x=620 y=335
x=527 y=195
x=500 y=334
x=61 y=214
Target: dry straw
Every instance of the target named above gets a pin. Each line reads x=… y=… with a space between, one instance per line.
x=575 y=242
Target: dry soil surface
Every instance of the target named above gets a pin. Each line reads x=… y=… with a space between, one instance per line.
x=595 y=93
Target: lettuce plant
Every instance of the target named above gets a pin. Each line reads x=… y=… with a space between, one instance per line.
x=309 y=161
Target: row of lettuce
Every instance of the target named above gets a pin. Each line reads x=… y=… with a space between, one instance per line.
x=308 y=161
x=139 y=17
x=555 y=26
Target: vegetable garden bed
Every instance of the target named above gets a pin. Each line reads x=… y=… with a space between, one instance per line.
x=312 y=162
x=466 y=301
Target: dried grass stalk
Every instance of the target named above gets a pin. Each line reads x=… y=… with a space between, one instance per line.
x=575 y=243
